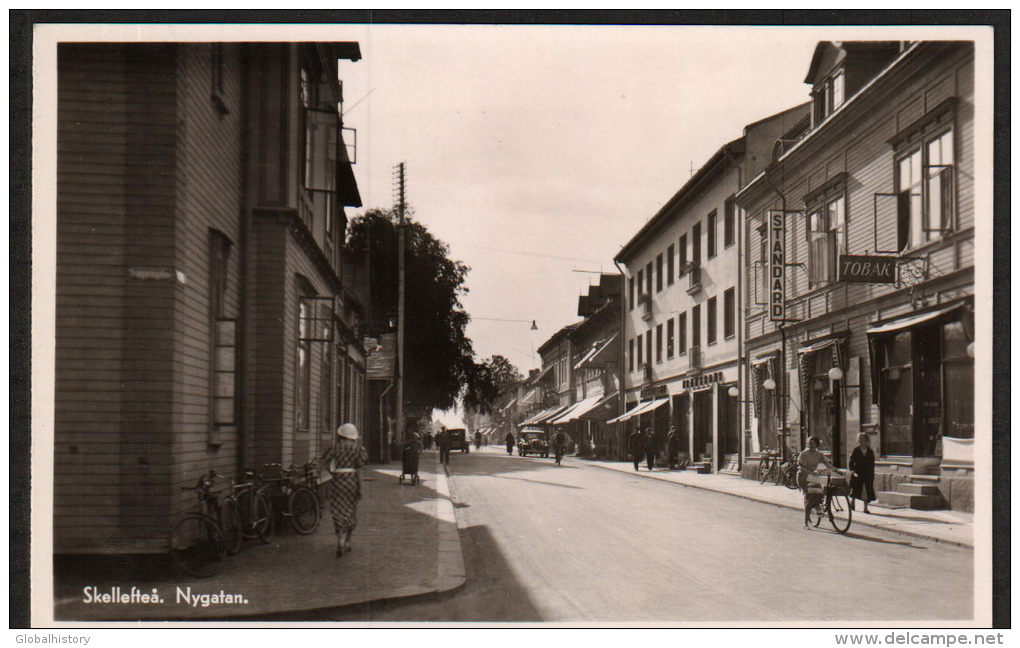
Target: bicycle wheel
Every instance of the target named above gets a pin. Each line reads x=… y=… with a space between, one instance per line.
x=817 y=513
x=245 y=504
x=304 y=510
x=791 y=477
x=838 y=508
x=763 y=470
x=231 y=524
x=262 y=522
x=776 y=474
x=196 y=545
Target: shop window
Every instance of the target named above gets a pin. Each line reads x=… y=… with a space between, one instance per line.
x=670 y=338
x=925 y=197
x=729 y=313
x=957 y=382
x=711 y=324
x=670 y=264
x=897 y=395
x=826 y=234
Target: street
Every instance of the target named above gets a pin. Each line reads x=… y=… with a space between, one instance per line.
x=580 y=543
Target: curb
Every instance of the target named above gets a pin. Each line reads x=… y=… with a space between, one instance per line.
x=912 y=534
x=450 y=569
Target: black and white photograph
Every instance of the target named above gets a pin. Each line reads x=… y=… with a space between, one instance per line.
x=512 y=325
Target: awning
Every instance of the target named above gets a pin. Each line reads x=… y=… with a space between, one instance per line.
x=508 y=405
x=602 y=409
x=587 y=356
x=605 y=349
x=818 y=345
x=542 y=374
x=576 y=410
x=545 y=414
x=641 y=408
x=531 y=397
x=908 y=321
x=553 y=413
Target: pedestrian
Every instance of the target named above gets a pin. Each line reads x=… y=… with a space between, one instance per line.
x=344 y=460
x=478 y=440
x=443 y=443
x=651 y=447
x=807 y=464
x=673 y=448
x=559 y=444
x=510 y=443
x=862 y=471
x=636 y=446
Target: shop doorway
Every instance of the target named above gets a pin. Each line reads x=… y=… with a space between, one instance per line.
x=824 y=407
x=729 y=436
x=702 y=442
x=681 y=414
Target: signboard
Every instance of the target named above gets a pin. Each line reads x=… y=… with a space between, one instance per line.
x=867 y=269
x=777 y=266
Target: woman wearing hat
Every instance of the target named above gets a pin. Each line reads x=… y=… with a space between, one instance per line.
x=343 y=460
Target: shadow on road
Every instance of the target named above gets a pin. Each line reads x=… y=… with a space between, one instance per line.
x=903 y=543
x=911 y=518
x=538 y=481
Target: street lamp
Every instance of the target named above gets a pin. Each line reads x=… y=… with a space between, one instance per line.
x=733 y=391
x=769 y=384
x=835 y=374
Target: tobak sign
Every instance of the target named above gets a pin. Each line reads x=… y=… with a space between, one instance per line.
x=777 y=266
x=867 y=269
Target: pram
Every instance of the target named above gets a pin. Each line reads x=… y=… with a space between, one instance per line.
x=409 y=463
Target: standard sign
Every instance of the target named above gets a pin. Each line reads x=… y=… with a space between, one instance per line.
x=777 y=266
x=867 y=269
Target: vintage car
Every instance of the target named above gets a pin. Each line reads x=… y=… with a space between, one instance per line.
x=459 y=440
x=534 y=442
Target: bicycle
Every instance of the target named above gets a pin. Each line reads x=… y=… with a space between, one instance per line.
x=292 y=500
x=835 y=503
x=256 y=511
x=767 y=466
x=198 y=541
x=788 y=474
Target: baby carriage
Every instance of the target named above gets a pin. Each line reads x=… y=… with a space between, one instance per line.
x=409 y=462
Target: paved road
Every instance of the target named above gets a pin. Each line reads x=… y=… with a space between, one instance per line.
x=579 y=543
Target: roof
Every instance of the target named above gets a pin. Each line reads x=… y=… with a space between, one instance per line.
x=831 y=50
x=708 y=171
x=557 y=336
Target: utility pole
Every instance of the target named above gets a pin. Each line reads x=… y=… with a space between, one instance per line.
x=401 y=187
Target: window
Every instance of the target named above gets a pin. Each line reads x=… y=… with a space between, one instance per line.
x=681 y=333
x=924 y=187
x=683 y=255
x=658 y=273
x=712 y=227
x=670 y=338
x=729 y=313
x=729 y=222
x=896 y=397
x=826 y=240
x=630 y=354
x=763 y=267
x=222 y=342
x=640 y=349
x=696 y=325
x=658 y=343
x=630 y=291
x=696 y=244
x=670 y=264
x=640 y=282
x=648 y=346
x=711 y=320
x=829 y=95
x=648 y=277
x=957 y=382
x=303 y=376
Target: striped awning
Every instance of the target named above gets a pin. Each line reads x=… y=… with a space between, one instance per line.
x=576 y=410
x=640 y=408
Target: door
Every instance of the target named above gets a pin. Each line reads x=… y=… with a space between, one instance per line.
x=729 y=437
x=702 y=424
x=824 y=407
x=928 y=391
x=682 y=421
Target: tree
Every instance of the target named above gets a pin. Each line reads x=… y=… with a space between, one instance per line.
x=438 y=355
x=486 y=381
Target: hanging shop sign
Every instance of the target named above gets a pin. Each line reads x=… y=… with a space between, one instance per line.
x=655 y=391
x=777 y=266
x=867 y=269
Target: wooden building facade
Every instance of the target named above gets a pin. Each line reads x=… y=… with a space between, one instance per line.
x=202 y=322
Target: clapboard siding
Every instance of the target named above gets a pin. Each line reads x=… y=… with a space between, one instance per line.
x=113 y=170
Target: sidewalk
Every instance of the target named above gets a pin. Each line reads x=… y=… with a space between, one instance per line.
x=952 y=527
x=405 y=545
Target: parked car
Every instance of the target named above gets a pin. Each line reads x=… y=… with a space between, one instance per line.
x=459 y=440
x=532 y=442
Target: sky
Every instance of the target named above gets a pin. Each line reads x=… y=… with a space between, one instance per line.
x=535 y=153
